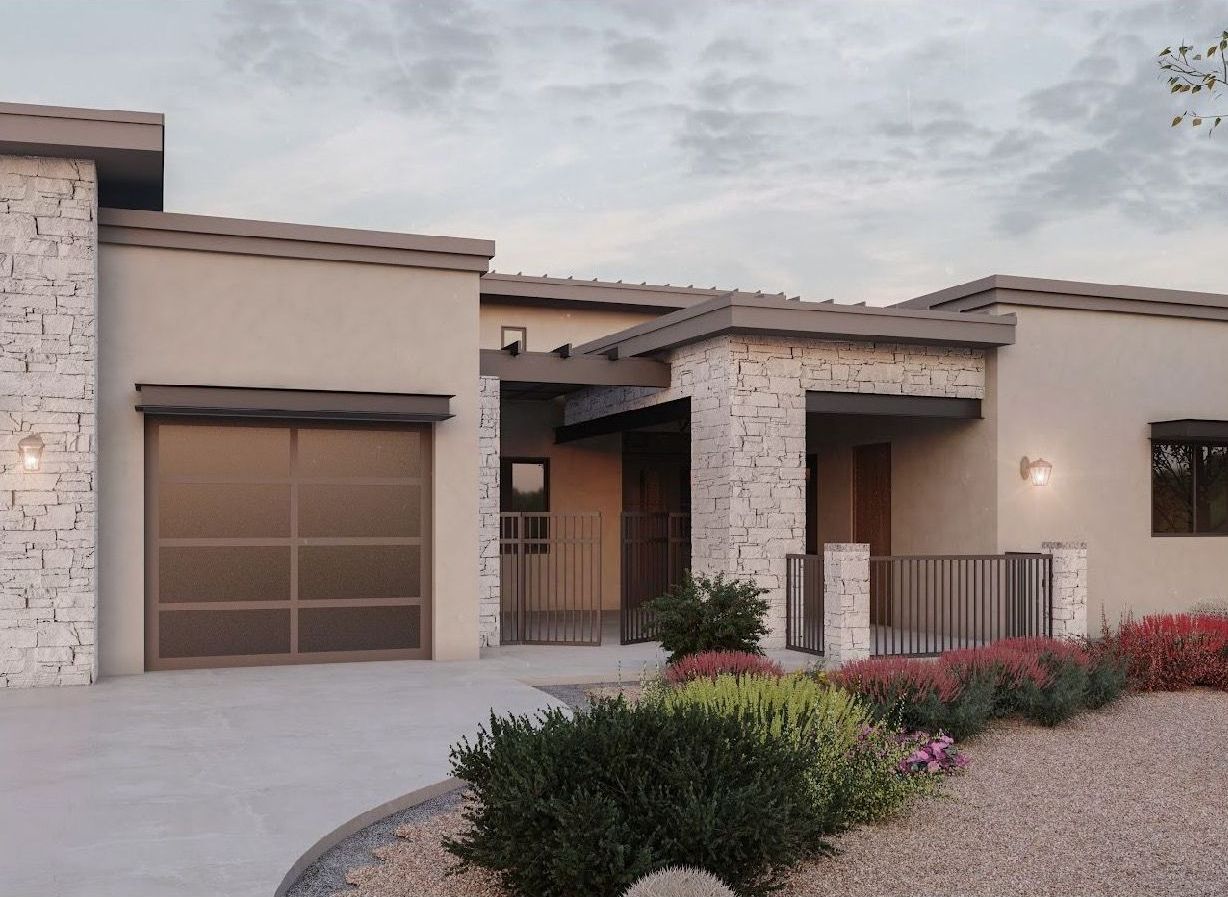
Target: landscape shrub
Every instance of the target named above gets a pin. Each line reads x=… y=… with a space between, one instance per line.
x=1108 y=676
x=710 y=614
x=932 y=755
x=587 y=803
x=1006 y=669
x=1063 y=692
x=1169 y=652
x=856 y=774
x=921 y=695
x=710 y=664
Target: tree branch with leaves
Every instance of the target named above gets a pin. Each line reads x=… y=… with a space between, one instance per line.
x=1198 y=73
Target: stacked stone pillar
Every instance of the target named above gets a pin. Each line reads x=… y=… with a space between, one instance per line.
x=48 y=352
x=1069 y=587
x=489 y=615
x=846 y=602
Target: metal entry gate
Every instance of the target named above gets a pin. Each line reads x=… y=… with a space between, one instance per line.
x=656 y=551
x=550 y=578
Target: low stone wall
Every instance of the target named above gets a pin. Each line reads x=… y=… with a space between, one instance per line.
x=48 y=346
x=846 y=602
x=1069 y=588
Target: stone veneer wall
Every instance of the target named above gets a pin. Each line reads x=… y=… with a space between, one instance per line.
x=488 y=508
x=748 y=435
x=846 y=602
x=48 y=346
x=1069 y=588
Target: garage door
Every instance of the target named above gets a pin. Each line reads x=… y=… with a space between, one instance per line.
x=270 y=543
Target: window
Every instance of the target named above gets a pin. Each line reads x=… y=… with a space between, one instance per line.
x=525 y=485
x=1189 y=488
x=509 y=335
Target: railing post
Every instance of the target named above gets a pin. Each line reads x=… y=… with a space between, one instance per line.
x=1068 y=589
x=846 y=602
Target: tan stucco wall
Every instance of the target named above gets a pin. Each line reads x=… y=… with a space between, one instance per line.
x=942 y=481
x=180 y=316
x=584 y=476
x=1079 y=388
x=549 y=328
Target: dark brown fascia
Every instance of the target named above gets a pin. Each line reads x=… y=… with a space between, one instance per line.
x=126 y=147
x=1005 y=289
x=204 y=233
x=291 y=404
x=776 y=317
x=567 y=292
x=574 y=370
x=1189 y=430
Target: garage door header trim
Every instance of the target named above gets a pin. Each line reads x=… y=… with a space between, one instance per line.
x=292 y=404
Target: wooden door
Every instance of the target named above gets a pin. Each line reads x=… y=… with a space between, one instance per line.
x=872 y=515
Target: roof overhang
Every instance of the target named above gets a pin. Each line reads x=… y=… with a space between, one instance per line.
x=1003 y=289
x=1190 y=430
x=568 y=292
x=619 y=422
x=205 y=233
x=877 y=404
x=291 y=404
x=126 y=147
x=550 y=374
x=764 y=316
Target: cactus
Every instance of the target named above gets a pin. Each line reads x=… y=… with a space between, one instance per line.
x=679 y=881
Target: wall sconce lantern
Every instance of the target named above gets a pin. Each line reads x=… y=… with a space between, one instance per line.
x=31 y=449
x=1038 y=471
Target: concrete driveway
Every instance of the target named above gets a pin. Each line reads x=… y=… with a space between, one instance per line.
x=215 y=782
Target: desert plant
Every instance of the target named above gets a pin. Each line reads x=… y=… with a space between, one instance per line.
x=710 y=664
x=921 y=695
x=1007 y=670
x=710 y=614
x=1168 y=652
x=1108 y=674
x=1063 y=692
x=679 y=881
x=588 y=803
x=932 y=755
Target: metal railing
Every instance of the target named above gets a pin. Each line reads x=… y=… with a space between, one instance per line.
x=656 y=551
x=926 y=605
x=550 y=578
x=804 y=603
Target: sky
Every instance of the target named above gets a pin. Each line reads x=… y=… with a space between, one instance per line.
x=863 y=151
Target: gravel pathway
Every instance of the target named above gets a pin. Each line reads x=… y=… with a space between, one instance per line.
x=1129 y=802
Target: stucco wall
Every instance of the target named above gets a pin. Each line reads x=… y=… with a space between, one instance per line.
x=48 y=279
x=549 y=328
x=181 y=316
x=1079 y=388
x=584 y=476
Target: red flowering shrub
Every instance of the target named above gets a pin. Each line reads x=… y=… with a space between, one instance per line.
x=1169 y=652
x=919 y=694
x=710 y=664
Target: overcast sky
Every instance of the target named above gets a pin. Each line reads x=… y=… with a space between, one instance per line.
x=851 y=150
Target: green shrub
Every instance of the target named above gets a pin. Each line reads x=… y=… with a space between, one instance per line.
x=710 y=614
x=588 y=803
x=921 y=695
x=856 y=773
x=1108 y=676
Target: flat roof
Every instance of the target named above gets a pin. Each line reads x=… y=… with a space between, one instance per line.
x=769 y=316
x=1006 y=289
x=127 y=147
x=241 y=236
x=570 y=292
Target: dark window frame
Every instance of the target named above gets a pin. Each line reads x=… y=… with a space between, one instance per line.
x=523 y=337
x=505 y=480
x=1194 y=445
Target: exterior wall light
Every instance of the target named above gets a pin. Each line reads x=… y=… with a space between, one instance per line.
x=31 y=449
x=1038 y=471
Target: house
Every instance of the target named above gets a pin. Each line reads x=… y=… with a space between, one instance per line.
x=239 y=442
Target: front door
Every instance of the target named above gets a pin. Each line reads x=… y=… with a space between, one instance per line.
x=872 y=515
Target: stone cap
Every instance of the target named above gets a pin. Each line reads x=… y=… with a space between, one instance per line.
x=846 y=546
x=1064 y=546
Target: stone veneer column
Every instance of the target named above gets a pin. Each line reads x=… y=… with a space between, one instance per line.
x=1069 y=588
x=846 y=602
x=748 y=444
x=48 y=351
x=488 y=510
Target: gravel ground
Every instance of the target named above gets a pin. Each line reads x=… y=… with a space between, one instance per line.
x=1129 y=802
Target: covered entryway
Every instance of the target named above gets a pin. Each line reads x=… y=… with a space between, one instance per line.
x=270 y=542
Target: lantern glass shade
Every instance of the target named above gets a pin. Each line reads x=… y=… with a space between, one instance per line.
x=1039 y=472
x=31 y=449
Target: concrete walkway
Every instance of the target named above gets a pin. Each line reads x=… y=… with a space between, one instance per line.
x=213 y=783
